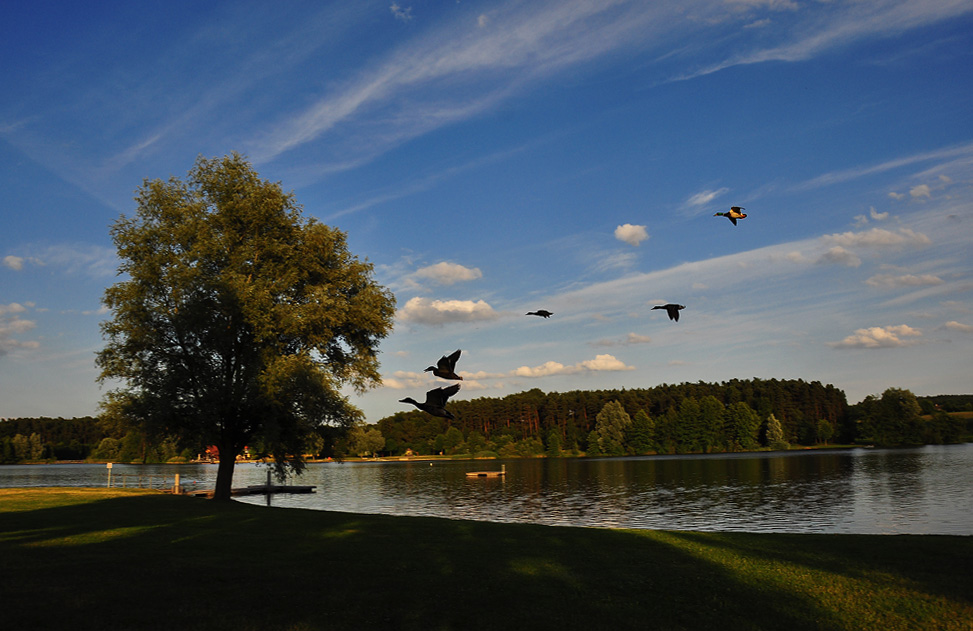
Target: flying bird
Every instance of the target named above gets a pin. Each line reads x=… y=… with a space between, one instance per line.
x=446 y=367
x=733 y=214
x=435 y=402
x=672 y=310
x=540 y=312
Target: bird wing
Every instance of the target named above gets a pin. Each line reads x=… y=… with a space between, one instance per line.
x=448 y=362
x=454 y=358
x=439 y=396
x=733 y=219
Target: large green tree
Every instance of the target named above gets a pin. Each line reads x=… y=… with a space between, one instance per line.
x=238 y=320
x=610 y=426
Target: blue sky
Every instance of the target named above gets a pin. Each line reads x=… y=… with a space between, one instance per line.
x=493 y=158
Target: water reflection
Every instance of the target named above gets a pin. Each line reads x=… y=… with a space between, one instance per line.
x=925 y=490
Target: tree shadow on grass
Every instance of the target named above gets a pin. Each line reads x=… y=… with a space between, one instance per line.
x=154 y=562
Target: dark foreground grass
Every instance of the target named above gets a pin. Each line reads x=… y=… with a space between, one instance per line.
x=99 y=559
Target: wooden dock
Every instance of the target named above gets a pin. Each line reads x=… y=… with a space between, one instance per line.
x=258 y=489
x=488 y=474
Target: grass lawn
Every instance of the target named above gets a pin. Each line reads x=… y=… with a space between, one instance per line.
x=118 y=560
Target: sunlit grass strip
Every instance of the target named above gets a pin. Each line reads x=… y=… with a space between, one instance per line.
x=145 y=560
x=862 y=598
x=27 y=499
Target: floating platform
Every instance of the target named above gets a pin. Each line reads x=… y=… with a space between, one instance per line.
x=488 y=474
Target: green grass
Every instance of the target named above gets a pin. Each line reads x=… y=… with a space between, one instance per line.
x=116 y=559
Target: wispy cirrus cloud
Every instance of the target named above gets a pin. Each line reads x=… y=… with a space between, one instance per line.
x=629 y=340
x=889 y=281
x=837 y=177
x=78 y=258
x=428 y=82
x=703 y=198
x=878 y=238
x=820 y=28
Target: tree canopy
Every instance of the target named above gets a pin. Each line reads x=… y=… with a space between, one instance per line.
x=238 y=320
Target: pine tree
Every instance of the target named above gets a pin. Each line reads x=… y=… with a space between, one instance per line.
x=640 y=437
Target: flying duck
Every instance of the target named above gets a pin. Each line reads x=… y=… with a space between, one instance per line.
x=435 y=402
x=544 y=313
x=733 y=214
x=672 y=310
x=445 y=367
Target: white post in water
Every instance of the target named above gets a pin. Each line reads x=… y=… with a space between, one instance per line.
x=109 y=475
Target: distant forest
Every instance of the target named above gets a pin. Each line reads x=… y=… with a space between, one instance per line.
x=737 y=415
x=684 y=418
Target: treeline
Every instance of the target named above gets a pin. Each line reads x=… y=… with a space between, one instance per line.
x=687 y=418
x=736 y=415
x=898 y=417
x=82 y=438
x=946 y=403
x=27 y=439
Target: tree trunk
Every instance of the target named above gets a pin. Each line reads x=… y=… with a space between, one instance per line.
x=224 y=475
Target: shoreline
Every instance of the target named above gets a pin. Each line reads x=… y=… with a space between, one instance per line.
x=468 y=458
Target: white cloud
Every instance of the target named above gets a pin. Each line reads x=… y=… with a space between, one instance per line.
x=897 y=196
x=704 y=197
x=448 y=273
x=921 y=190
x=601 y=363
x=906 y=280
x=14 y=262
x=425 y=311
x=401 y=13
x=12 y=308
x=631 y=234
x=403 y=380
x=838 y=255
x=879 y=337
x=877 y=216
x=953 y=325
x=12 y=325
x=482 y=20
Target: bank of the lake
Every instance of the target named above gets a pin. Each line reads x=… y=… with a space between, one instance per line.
x=98 y=558
x=861 y=491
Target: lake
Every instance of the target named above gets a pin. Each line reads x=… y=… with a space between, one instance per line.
x=926 y=490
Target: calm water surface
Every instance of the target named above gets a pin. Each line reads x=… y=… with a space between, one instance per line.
x=927 y=490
